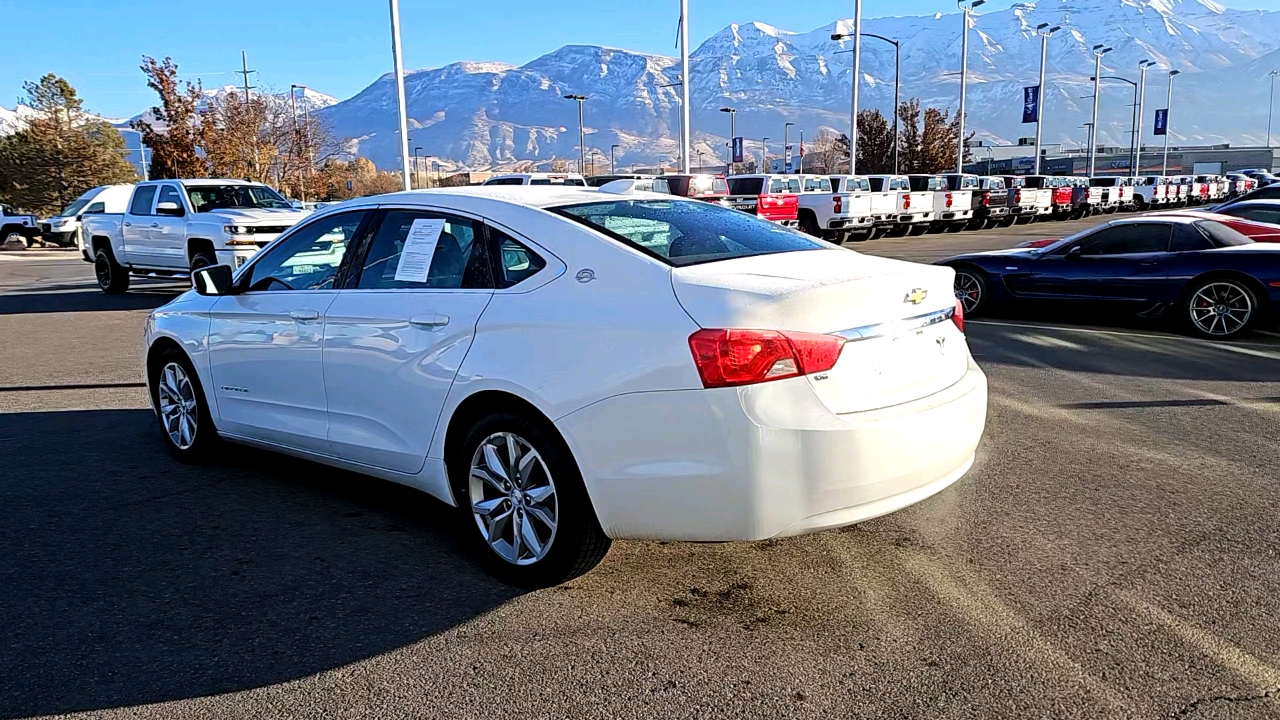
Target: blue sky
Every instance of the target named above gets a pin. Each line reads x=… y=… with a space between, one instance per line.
x=340 y=46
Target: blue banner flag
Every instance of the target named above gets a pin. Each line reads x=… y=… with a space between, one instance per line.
x=1162 y=121
x=1031 y=104
x=737 y=150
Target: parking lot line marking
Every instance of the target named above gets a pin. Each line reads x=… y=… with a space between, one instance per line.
x=1096 y=331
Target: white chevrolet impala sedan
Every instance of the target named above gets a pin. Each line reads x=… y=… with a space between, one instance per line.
x=570 y=365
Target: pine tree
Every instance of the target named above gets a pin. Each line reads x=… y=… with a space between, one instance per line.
x=172 y=134
x=875 y=143
x=911 y=151
x=60 y=153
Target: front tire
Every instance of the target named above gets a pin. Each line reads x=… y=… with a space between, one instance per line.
x=529 y=516
x=113 y=279
x=181 y=408
x=202 y=259
x=972 y=290
x=1220 y=308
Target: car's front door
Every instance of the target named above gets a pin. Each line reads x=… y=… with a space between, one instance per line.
x=1126 y=263
x=398 y=332
x=265 y=341
x=169 y=231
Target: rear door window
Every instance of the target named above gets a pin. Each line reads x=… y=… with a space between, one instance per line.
x=746 y=186
x=143 y=199
x=687 y=233
x=456 y=262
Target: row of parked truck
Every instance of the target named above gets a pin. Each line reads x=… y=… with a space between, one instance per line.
x=862 y=207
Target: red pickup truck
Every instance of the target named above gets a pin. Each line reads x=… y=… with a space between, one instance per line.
x=772 y=197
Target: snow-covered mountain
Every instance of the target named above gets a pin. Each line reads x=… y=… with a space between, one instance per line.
x=486 y=114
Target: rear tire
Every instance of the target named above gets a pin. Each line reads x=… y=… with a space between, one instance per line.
x=917 y=229
x=528 y=517
x=809 y=225
x=113 y=279
x=1221 y=308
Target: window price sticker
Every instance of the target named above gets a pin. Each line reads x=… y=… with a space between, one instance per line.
x=419 y=248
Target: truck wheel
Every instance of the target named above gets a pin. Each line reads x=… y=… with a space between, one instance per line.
x=112 y=278
x=809 y=225
x=917 y=229
x=202 y=259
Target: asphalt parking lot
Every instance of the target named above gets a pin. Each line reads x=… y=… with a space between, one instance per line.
x=1112 y=554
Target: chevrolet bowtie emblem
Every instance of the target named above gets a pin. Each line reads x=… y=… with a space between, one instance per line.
x=916 y=296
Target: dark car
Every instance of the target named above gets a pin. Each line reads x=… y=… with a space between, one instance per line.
x=1262 y=211
x=699 y=187
x=1265 y=192
x=1211 y=278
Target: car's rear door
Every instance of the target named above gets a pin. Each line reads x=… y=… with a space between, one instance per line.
x=398 y=331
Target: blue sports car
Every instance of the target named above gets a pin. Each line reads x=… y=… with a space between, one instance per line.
x=1217 y=282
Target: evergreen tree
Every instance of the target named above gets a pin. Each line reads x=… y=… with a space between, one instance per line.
x=875 y=143
x=60 y=152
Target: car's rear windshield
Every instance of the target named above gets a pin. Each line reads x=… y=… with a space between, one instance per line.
x=746 y=186
x=681 y=232
x=1221 y=235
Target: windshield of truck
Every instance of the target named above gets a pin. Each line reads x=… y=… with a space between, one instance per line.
x=206 y=198
x=78 y=204
x=746 y=186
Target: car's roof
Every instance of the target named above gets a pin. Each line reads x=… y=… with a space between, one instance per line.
x=215 y=181
x=536 y=196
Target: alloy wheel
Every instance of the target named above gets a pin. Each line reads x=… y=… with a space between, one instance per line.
x=513 y=498
x=1221 y=308
x=968 y=291
x=179 y=410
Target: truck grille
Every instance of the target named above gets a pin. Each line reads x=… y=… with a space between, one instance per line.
x=268 y=229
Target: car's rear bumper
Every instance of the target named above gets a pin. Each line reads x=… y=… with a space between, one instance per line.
x=850 y=223
x=703 y=465
x=912 y=218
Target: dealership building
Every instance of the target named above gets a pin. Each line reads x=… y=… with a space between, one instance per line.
x=1056 y=160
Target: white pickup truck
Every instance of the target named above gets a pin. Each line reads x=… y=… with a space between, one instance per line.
x=11 y=223
x=952 y=209
x=883 y=203
x=914 y=208
x=171 y=227
x=830 y=214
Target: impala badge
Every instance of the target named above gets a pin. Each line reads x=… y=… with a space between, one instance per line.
x=916 y=296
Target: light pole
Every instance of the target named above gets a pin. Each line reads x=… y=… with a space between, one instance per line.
x=1271 y=104
x=857 y=71
x=1142 y=96
x=1044 y=49
x=897 y=84
x=399 y=75
x=964 y=73
x=786 y=146
x=733 y=113
x=306 y=131
x=764 y=154
x=802 y=152
x=1098 y=52
x=684 y=86
x=582 y=144
x=1134 y=130
x=611 y=163
x=1168 y=103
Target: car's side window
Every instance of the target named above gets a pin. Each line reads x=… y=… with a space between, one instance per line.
x=95 y=209
x=456 y=260
x=143 y=199
x=1258 y=214
x=169 y=193
x=1127 y=239
x=1187 y=237
x=309 y=258
x=514 y=261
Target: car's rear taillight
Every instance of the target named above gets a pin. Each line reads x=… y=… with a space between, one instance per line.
x=742 y=357
x=958 y=316
x=906 y=202
x=986 y=198
x=948 y=199
x=837 y=204
x=1017 y=196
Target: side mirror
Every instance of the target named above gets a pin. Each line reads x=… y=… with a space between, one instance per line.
x=170 y=208
x=1075 y=253
x=212 y=280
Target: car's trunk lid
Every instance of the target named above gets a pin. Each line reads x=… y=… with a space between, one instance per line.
x=900 y=344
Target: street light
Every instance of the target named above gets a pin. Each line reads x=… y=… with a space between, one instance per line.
x=1168 y=104
x=398 y=67
x=416 y=165
x=964 y=73
x=764 y=154
x=897 y=83
x=733 y=113
x=613 y=147
x=1044 y=47
x=786 y=146
x=582 y=144
x=857 y=72
x=684 y=86
x=1271 y=104
x=1137 y=125
x=1098 y=52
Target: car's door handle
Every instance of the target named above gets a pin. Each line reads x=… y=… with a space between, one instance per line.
x=429 y=321
x=304 y=314
x=128 y=224
x=155 y=224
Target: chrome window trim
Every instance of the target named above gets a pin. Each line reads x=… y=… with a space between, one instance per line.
x=895 y=327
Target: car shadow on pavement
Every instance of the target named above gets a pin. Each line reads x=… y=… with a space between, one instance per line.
x=129 y=578
x=46 y=301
